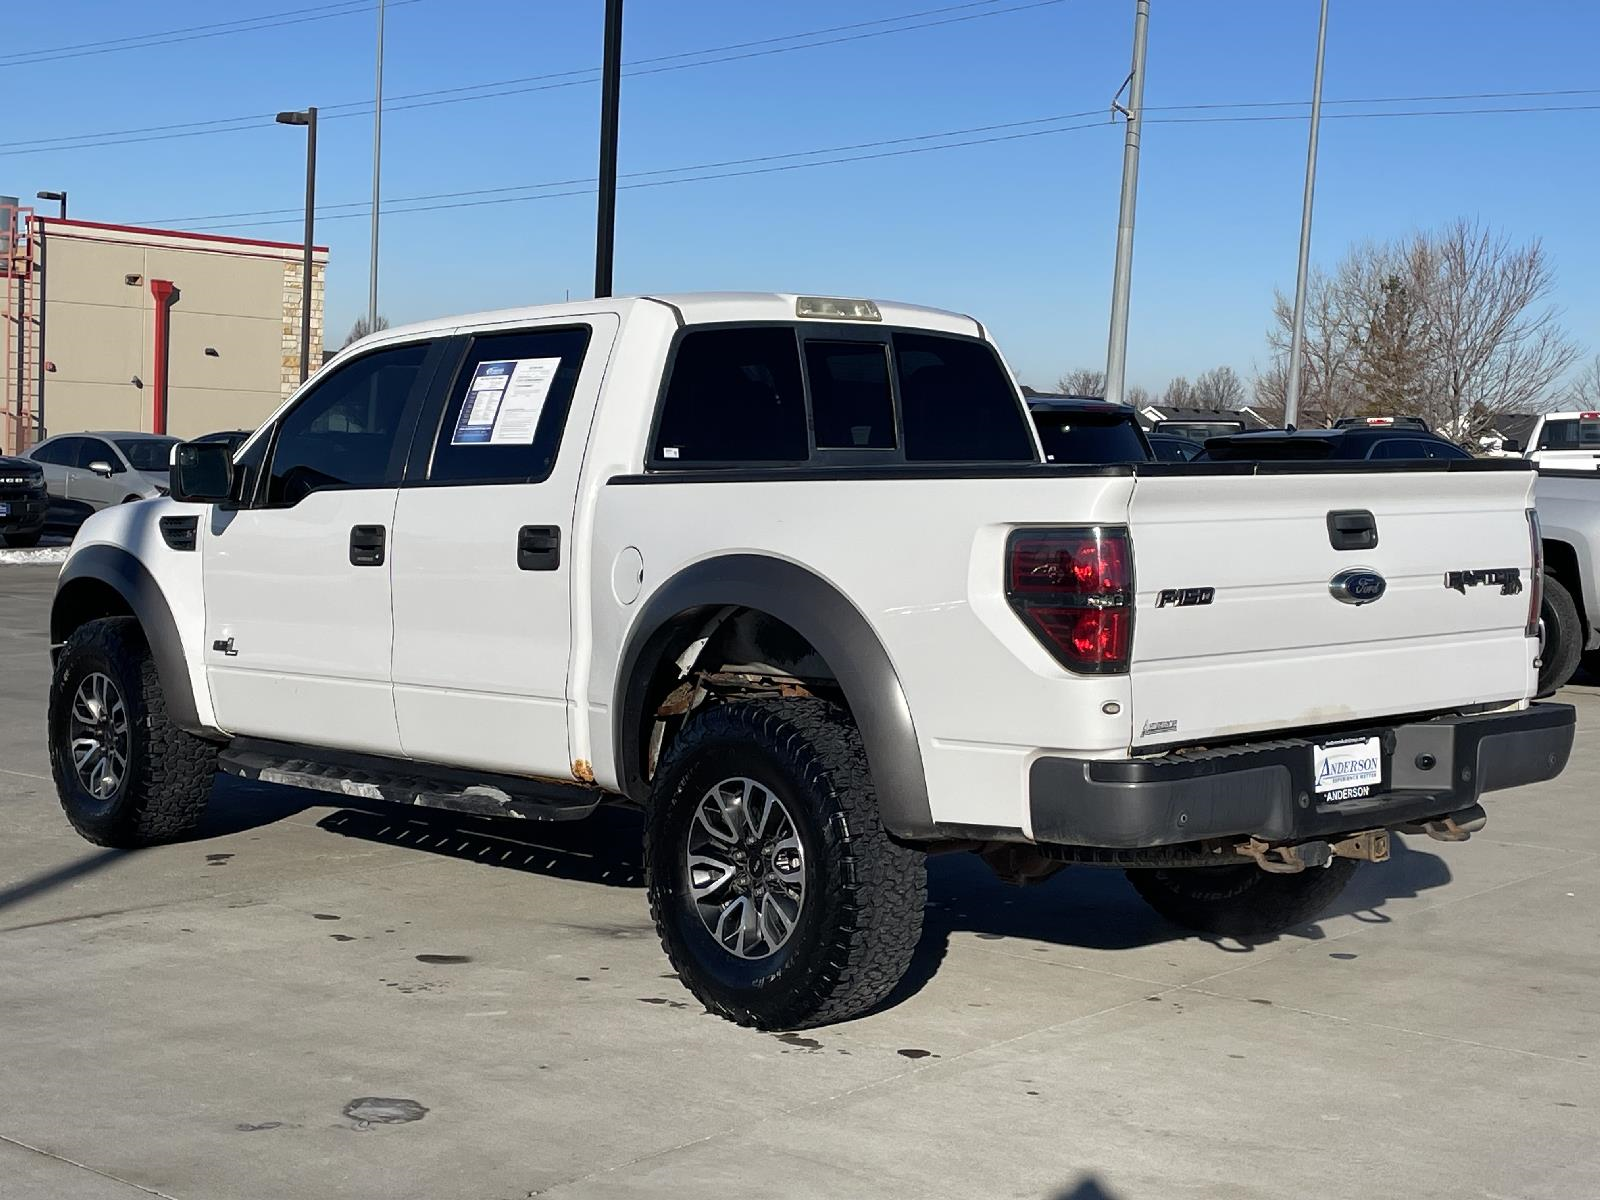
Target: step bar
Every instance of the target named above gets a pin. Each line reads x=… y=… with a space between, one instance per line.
x=400 y=781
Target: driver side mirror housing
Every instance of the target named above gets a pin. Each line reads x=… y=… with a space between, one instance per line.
x=202 y=472
x=101 y=468
x=1511 y=445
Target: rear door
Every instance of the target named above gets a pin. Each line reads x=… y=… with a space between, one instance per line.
x=1246 y=614
x=485 y=557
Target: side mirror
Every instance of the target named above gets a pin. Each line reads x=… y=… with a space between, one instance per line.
x=202 y=472
x=101 y=468
x=1511 y=445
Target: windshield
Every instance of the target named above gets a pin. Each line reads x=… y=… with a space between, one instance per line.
x=148 y=454
x=1090 y=438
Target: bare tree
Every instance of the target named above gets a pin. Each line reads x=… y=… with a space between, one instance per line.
x=1082 y=381
x=1219 y=387
x=1492 y=342
x=362 y=328
x=1179 y=394
x=1585 y=390
x=1448 y=326
x=1137 y=396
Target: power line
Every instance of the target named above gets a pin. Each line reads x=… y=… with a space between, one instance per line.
x=732 y=162
x=193 y=33
x=840 y=159
x=538 y=83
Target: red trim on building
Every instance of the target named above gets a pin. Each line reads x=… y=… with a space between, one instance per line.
x=178 y=233
x=162 y=290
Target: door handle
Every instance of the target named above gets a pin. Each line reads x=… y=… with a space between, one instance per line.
x=366 y=545
x=538 y=548
x=1352 y=529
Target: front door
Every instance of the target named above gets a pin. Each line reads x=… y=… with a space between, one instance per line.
x=98 y=488
x=298 y=623
x=484 y=551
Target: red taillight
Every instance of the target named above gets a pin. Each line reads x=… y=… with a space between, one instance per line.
x=1074 y=589
x=1536 y=584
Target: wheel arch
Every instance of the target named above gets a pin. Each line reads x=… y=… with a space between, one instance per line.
x=704 y=598
x=1561 y=561
x=107 y=581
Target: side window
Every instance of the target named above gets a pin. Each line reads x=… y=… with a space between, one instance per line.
x=1559 y=435
x=346 y=432
x=734 y=396
x=852 y=406
x=58 y=453
x=508 y=406
x=1391 y=448
x=93 y=450
x=957 y=403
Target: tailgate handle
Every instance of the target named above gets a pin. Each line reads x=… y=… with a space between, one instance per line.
x=1352 y=529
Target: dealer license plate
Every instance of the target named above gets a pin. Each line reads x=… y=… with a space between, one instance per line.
x=1347 y=770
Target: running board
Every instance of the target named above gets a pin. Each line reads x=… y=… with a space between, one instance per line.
x=399 y=781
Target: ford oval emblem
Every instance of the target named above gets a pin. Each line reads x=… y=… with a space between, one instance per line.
x=1357 y=586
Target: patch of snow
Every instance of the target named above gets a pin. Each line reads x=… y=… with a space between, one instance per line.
x=44 y=555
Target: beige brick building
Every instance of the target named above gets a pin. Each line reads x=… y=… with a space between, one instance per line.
x=90 y=323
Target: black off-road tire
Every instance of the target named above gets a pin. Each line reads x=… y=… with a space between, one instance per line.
x=865 y=893
x=1563 y=637
x=1241 y=901
x=162 y=795
x=22 y=541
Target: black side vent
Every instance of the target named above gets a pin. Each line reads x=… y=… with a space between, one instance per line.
x=180 y=532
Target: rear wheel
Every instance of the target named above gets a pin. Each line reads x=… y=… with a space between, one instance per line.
x=1561 y=640
x=778 y=895
x=126 y=776
x=1241 y=900
x=23 y=540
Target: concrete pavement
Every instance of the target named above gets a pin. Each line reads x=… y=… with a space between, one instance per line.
x=319 y=1001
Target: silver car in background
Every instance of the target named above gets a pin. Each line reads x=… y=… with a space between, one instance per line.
x=85 y=472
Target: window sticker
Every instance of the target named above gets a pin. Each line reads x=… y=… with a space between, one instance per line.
x=504 y=401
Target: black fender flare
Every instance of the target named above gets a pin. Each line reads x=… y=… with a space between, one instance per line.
x=838 y=631
x=124 y=574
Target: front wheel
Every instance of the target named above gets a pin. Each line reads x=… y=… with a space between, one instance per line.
x=126 y=776
x=780 y=899
x=1241 y=900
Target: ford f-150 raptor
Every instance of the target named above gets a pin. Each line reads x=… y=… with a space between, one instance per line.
x=791 y=573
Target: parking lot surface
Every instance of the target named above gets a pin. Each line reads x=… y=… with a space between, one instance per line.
x=315 y=1000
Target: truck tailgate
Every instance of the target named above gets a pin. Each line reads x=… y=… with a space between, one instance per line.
x=1273 y=646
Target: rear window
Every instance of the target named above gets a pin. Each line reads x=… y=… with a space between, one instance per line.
x=851 y=404
x=735 y=396
x=1090 y=438
x=957 y=402
x=1570 y=433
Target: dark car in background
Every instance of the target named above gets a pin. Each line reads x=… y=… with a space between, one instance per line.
x=1165 y=447
x=24 y=502
x=1364 y=442
x=1086 y=430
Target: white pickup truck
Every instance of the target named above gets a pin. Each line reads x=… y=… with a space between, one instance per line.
x=789 y=573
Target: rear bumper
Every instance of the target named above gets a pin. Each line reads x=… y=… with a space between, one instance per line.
x=1266 y=790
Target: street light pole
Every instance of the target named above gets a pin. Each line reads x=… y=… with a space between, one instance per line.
x=61 y=196
x=308 y=118
x=1297 y=338
x=605 y=233
x=1122 y=275
x=377 y=158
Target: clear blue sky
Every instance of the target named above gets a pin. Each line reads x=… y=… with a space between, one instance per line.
x=1018 y=232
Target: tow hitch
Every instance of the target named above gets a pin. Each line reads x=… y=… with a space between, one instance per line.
x=1371 y=844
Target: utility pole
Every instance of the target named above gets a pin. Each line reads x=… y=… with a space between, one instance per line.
x=605 y=234
x=377 y=159
x=1297 y=338
x=1122 y=277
